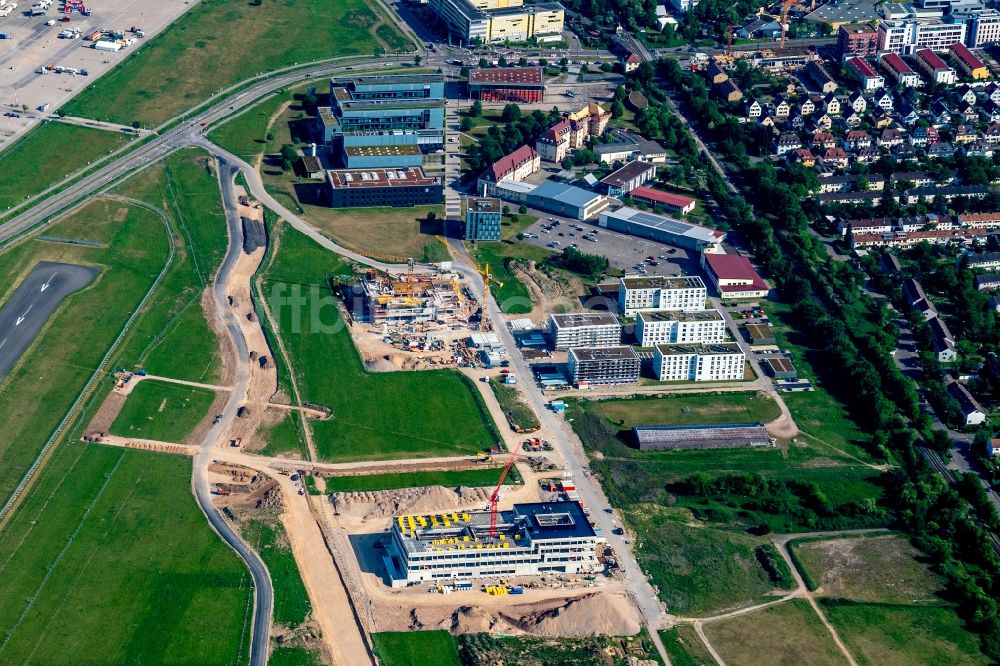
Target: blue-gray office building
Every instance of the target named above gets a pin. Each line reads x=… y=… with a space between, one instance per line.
x=482 y=218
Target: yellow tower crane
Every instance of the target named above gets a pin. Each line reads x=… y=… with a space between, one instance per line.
x=484 y=322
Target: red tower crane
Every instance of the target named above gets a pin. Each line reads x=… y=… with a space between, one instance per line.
x=729 y=41
x=495 y=498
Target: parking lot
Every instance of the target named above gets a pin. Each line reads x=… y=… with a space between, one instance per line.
x=626 y=252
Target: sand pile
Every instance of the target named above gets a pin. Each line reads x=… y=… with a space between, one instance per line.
x=387 y=503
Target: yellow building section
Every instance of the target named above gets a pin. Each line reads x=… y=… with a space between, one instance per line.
x=487 y=5
x=980 y=73
x=523 y=26
x=592 y=109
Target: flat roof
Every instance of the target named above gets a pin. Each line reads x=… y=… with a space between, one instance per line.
x=382 y=104
x=385 y=79
x=580 y=319
x=622 y=353
x=630 y=171
x=567 y=194
x=634 y=216
x=663 y=282
x=554 y=520
x=531 y=76
x=361 y=178
x=760 y=331
x=381 y=151
x=697 y=432
x=483 y=204
x=680 y=315
x=677 y=349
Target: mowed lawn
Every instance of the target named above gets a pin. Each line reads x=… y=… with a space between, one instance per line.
x=265 y=533
x=36 y=394
x=218 y=43
x=901 y=635
x=49 y=153
x=375 y=415
x=415 y=648
x=482 y=477
x=110 y=561
x=172 y=338
x=787 y=634
x=162 y=411
x=246 y=135
x=698 y=570
x=688 y=409
x=393 y=233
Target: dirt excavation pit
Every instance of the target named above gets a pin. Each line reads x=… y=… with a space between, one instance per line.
x=383 y=504
x=238 y=487
x=605 y=612
x=549 y=293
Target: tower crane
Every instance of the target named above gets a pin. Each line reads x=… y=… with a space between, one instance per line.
x=495 y=498
x=484 y=324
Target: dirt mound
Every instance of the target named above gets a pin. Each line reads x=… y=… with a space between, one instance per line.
x=591 y=614
x=387 y=503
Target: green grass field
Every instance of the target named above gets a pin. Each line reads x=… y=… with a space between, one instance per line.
x=168 y=74
x=788 y=634
x=698 y=570
x=161 y=411
x=172 y=338
x=898 y=635
x=36 y=394
x=415 y=648
x=688 y=409
x=265 y=533
x=390 y=232
x=110 y=561
x=284 y=437
x=883 y=568
x=475 y=649
x=482 y=477
x=685 y=648
x=375 y=415
x=519 y=413
x=513 y=297
x=285 y=656
x=49 y=153
x=246 y=135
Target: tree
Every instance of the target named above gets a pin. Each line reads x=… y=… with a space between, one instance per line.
x=510 y=113
x=584 y=69
x=617 y=109
x=522 y=62
x=269 y=136
x=136 y=124
x=522 y=209
x=477 y=109
x=567 y=163
x=288 y=156
x=417 y=59
x=465 y=124
x=502 y=61
x=483 y=63
x=505 y=210
x=464 y=73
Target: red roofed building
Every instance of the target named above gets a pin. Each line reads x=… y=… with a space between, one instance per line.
x=631 y=63
x=968 y=62
x=866 y=74
x=571 y=132
x=673 y=203
x=507 y=84
x=517 y=166
x=900 y=72
x=734 y=276
x=936 y=68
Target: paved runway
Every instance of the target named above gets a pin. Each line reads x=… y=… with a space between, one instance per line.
x=22 y=317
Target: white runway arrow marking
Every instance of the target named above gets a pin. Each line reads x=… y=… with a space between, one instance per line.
x=21 y=318
x=46 y=285
x=3 y=343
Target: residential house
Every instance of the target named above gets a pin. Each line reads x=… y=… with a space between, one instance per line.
x=804 y=157
x=924 y=136
x=906 y=114
x=729 y=91
x=883 y=99
x=990 y=111
x=832 y=105
x=752 y=108
x=857 y=139
x=761 y=27
x=820 y=76
x=805 y=107
x=965 y=134
x=968 y=113
x=972 y=412
x=916 y=300
x=798 y=122
x=966 y=94
x=936 y=68
x=857 y=102
x=940 y=113
x=823 y=122
x=993 y=133
x=968 y=62
x=868 y=155
x=941 y=149
x=824 y=140
x=866 y=74
x=787 y=142
x=992 y=91
x=631 y=62
x=979 y=148
x=715 y=74
x=835 y=157
x=853 y=119
x=890 y=138
x=902 y=73
x=782 y=109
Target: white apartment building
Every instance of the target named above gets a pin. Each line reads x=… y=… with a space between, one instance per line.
x=659 y=292
x=698 y=363
x=588 y=329
x=984 y=28
x=672 y=326
x=907 y=35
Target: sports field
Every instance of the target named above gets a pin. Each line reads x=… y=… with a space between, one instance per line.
x=218 y=43
x=110 y=561
x=172 y=339
x=375 y=415
x=161 y=411
x=132 y=249
x=49 y=153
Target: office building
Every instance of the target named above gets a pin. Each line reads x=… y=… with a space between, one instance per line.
x=482 y=218
x=516 y=166
x=626 y=146
x=507 y=84
x=588 y=329
x=857 y=40
x=734 y=276
x=381 y=111
x=350 y=188
x=906 y=36
x=661 y=229
x=381 y=157
x=603 y=366
x=567 y=200
x=534 y=539
x=653 y=327
x=900 y=72
x=632 y=175
x=968 y=62
x=492 y=21
x=698 y=363
x=660 y=292
x=936 y=68
x=984 y=29
x=571 y=133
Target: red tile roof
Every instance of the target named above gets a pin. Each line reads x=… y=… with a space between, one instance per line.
x=896 y=64
x=659 y=196
x=734 y=267
x=862 y=67
x=960 y=51
x=932 y=59
x=509 y=163
x=526 y=75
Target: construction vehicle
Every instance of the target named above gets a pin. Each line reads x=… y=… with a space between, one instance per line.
x=484 y=322
x=495 y=498
x=483 y=457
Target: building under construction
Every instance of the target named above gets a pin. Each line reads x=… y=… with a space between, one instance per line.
x=411 y=298
x=530 y=539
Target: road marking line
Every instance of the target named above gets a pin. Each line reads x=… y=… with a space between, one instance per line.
x=21 y=318
x=46 y=285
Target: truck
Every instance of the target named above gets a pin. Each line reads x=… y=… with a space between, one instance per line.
x=557 y=406
x=4 y=35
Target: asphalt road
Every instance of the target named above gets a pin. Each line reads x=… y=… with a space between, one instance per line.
x=23 y=316
x=263 y=589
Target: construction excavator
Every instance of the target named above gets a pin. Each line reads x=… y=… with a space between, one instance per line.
x=484 y=322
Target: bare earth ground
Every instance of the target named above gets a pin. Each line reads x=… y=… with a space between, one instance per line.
x=548 y=294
